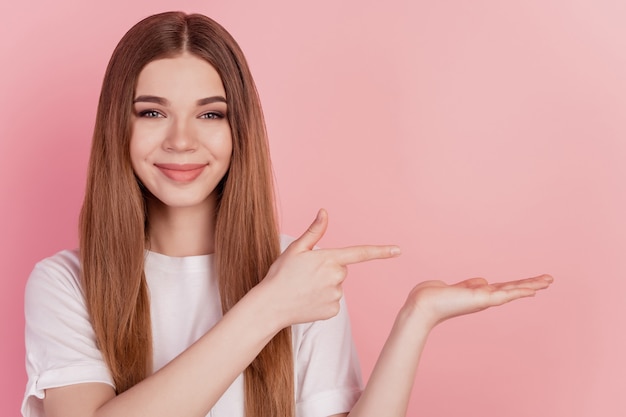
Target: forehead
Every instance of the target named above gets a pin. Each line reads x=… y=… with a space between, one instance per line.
x=180 y=76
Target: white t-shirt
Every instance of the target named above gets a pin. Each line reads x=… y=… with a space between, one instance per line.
x=184 y=297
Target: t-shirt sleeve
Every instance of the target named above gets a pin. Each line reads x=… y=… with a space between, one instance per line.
x=328 y=375
x=60 y=341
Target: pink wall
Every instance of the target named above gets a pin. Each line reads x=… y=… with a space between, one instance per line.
x=487 y=138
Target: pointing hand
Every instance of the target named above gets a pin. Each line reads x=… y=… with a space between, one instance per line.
x=306 y=284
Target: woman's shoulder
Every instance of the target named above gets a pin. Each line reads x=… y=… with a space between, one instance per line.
x=285 y=240
x=59 y=272
x=63 y=259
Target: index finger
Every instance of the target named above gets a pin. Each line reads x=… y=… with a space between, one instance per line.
x=363 y=253
x=536 y=283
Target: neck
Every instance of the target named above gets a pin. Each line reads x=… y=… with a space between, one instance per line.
x=182 y=231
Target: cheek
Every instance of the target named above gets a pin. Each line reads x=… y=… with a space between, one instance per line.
x=226 y=147
x=228 y=152
x=139 y=151
x=142 y=144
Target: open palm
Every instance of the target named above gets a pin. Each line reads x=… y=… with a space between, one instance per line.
x=437 y=301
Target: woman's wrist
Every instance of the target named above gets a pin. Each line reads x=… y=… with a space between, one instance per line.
x=413 y=315
x=265 y=308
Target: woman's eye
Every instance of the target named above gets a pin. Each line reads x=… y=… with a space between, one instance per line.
x=212 y=115
x=150 y=114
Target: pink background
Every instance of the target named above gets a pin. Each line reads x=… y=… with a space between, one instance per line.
x=485 y=137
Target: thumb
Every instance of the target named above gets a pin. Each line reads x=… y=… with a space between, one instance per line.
x=314 y=233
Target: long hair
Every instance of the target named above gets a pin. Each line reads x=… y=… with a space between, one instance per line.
x=113 y=223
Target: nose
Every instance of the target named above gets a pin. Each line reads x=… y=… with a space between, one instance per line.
x=180 y=137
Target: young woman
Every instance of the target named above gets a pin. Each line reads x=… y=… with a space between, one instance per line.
x=179 y=301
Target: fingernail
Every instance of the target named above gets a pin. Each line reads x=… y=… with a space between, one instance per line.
x=395 y=251
x=548 y=278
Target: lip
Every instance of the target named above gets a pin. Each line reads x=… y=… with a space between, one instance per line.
x=181 y=172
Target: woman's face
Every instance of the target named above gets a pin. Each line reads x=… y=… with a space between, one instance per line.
x=181 y=142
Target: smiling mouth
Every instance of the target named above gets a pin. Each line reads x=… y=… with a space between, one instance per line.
x=181 y=172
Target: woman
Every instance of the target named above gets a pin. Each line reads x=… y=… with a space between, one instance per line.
x=179 y=301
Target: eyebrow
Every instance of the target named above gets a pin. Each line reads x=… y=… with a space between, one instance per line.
x=165 y=102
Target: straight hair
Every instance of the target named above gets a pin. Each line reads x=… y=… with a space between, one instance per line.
x=114 y=227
